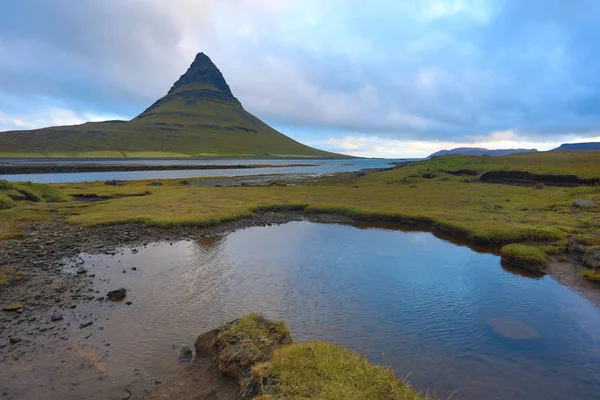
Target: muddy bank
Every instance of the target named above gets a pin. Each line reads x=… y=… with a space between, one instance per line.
x=72 y=168
x=65 y=346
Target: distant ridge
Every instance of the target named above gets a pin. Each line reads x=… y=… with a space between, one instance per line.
x=578 y=146
x=199 y=116
x=479 y=151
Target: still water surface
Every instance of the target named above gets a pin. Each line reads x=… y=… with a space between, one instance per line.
x=280 y=166
x=445 y=316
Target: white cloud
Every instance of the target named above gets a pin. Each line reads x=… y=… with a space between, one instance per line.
x=49 y=116
x=374 y=146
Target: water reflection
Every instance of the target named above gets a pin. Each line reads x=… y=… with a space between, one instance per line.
x=449 y=316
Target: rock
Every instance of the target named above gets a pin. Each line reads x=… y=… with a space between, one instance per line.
x=86 y=324
x=184 y=183
x=81 y=270
x=111 y=182
x=56 y=317
x=584 y=204
x=12 y=307
x=539 y=186
x=128 y=303
x=576 y=247
x=360 y=174
x=14 y=340
x=592 y=258
x=126 y=394
x=186 y=354
x=155 y=184
x=134 y=268
x=117 y=294
x=100 y=298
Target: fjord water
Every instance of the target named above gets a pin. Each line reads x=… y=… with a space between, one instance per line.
x=442 y=315
x=279 y=166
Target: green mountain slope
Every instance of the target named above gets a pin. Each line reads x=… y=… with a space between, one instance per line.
x=199 y=116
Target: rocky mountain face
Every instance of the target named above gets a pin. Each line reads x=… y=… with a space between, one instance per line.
x=202 y=82
x=479 y=151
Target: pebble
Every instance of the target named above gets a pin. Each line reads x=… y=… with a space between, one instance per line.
x=56 y=317
x=117 y=294
x=86 y=324
x=12 y=307
x=81 y=270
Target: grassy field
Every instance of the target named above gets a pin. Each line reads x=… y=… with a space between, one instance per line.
x=585 y=164
x=484 y=213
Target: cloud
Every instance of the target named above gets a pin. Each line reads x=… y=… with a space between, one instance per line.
x=374 y=146
x=414 y=70
x=49 y=116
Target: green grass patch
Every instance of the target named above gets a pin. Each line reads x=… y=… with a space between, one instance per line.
x=327 y=372
x=585 y=164
x=553 y=249
x=521 y=254
x=6 y=202
x=591 y=274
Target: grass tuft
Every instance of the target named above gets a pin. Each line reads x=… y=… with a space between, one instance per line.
x=328 y=372
x=246 y=341
x=6 y=202
x=521 y=254
x=591 y=274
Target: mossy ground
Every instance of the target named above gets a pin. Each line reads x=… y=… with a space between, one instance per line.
x=249 y=340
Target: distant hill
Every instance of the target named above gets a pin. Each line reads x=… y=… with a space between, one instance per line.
x=479 y=151
x=199 y=116
x=578 y=146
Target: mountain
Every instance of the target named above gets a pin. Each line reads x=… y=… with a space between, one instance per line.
x=478 y=151
x=199 y=116
x=578 y=146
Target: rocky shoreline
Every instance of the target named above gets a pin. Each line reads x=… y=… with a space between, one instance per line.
x=51 y=329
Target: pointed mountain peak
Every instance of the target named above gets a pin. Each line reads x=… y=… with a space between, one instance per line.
x=203 y=74
x=202 y=82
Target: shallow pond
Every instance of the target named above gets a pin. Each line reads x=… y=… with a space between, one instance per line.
x=442 y=315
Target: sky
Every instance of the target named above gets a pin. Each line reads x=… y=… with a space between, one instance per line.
x=375 y=78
